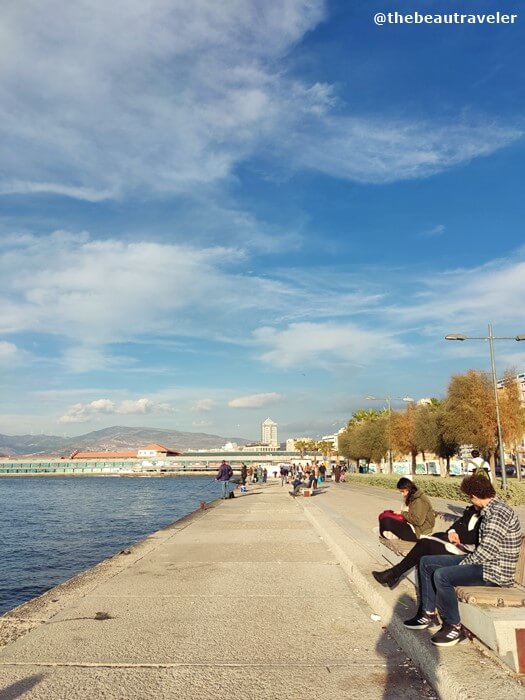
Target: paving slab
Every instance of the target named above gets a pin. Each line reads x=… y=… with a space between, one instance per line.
x=263 y=551
x=196 y=630
x=234 y=579
x=350 y=682
x=243 y=600
x=247 y=536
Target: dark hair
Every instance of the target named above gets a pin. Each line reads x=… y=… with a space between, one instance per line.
x=405 y=483
x=477 y=485
x=474 y=453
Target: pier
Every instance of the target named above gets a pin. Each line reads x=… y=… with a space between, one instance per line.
x=262 y=597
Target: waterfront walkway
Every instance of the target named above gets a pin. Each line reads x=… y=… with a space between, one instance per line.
x=244 y=600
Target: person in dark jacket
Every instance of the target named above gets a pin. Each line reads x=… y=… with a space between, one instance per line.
x=461 y=538
x=224 y=475
x=244 y=474
x=296 y=483
x=418 y=520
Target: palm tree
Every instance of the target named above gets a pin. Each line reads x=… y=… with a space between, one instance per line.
x=301 y=446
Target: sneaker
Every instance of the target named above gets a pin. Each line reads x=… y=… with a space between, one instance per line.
x=448 y=635
x=421 y=621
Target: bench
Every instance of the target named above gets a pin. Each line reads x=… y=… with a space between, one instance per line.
x=494 y=615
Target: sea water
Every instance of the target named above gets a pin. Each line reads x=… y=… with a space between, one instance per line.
x=52 y=528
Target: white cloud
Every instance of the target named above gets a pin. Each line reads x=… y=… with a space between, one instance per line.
x=382 y=151
x=254 y=400
x=325 y=345
x=201 y=424
x=467 y=299
x=95 y=292
x=9 y=353
x=114 y=99
x=204 y=405
x=82 y=413
x=434 y=231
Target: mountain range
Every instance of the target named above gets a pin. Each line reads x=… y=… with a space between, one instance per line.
x=114 y=439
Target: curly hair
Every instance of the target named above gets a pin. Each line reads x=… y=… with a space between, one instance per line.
x=478 y=486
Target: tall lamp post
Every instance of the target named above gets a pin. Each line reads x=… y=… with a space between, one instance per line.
x=389 y=400
x=491 y=338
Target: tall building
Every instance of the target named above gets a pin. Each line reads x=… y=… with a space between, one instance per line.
x=269 y=432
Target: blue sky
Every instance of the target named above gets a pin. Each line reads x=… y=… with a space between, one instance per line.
x=215 y=212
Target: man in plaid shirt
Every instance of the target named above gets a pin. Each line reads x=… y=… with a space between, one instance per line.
x=492 y=563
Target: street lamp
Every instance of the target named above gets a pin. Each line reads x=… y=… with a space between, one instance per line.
x=389 y=400
x=491 y=338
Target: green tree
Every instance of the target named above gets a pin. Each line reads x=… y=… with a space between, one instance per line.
x=301 y=446
x=428 y=433
x=469 y=413
x=365 y=437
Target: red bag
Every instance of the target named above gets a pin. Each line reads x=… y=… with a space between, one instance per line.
x=392 y=515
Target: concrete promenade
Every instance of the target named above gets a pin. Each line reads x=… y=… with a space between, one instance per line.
x=261 y=597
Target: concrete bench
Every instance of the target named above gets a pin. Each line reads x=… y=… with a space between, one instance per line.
x=496 y=616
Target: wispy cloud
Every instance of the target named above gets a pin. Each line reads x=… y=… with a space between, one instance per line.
x=381 y=151
x=9 y=353
x=113 y=101
x=204 y=405
x=434 y=231
x=254 y=400
x=325 y=345
x=466 y=299
x=82 y=413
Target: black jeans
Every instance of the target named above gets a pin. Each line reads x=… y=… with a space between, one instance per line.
x=397 y=527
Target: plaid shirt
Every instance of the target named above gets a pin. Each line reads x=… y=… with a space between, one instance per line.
x=499 y=543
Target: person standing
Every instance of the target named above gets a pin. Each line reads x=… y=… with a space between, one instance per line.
x=478 y=465
x=244 y=474
x=492 y=563
x=224 y=475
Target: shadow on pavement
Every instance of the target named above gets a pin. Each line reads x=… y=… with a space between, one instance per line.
x=403 y=679
x=20 y=688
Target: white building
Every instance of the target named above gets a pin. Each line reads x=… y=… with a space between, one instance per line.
x=269 y=433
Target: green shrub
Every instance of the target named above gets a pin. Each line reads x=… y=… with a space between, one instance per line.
x=440 y=487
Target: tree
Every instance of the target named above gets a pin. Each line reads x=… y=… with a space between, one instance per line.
x=301 y=446
x=365 y=437
x=403 y=433
x=313 y=446
x=325 y=448
x=512 y=414
x=469 y=413
x=428 y=433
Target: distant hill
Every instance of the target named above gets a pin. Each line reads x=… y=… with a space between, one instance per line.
x=114 y=439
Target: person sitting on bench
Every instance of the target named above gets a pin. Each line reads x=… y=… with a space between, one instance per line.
x=296 y=483
x=492 y=563
x=410 y=524
x=461 y=538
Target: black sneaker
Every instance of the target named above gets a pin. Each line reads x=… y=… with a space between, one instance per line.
x=421 y=621
x=448 y=635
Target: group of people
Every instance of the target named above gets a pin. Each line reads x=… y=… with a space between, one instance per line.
x=481 y=548
x=251 y=474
